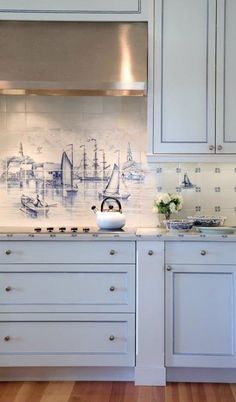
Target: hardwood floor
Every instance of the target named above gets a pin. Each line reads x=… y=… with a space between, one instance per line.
x=114 y=392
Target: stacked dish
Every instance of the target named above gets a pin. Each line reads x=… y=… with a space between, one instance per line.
x=207 y=221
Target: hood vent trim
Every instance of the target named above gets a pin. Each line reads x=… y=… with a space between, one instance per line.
x=73 y=58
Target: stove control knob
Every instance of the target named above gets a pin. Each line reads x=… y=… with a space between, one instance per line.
x=62 y=229
x=86 y=230
x=74 y=229
x=38 y=230
x=50 y=229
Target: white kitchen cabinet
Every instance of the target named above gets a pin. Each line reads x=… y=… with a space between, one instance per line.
x=226 y=77
x=67 y=340
x=82 y=290
x=43 y=252
x=194 y=80
x=73 y=9
x=184 y=71
x=200 y=310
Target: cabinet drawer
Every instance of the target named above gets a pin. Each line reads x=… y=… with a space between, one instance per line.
x=200 y=253
x=87 y=339
x=71 y=291
x=86 y=252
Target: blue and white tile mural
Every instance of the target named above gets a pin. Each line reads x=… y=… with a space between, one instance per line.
x=35 y=186
x=59 y=156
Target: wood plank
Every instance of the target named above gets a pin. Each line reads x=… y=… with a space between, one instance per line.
x=8 y=391
x=58 y=392
x=92 y=391
x=31 y=391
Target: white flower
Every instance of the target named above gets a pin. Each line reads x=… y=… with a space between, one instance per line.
x=163 y=197
x=172 y=207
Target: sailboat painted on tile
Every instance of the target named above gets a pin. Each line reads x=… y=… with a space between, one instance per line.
x=67 y=166
x=116 y=186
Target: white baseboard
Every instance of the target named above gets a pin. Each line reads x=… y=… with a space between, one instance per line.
x=150 y=376
x=201 y=375
x=67 y=374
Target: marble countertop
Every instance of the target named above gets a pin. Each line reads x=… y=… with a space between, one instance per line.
x=137 y=234
x=162 y=234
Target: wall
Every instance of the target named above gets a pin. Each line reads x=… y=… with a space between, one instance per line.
x=34 y=133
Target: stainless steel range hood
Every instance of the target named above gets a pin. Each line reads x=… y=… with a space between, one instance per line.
x=73 y=58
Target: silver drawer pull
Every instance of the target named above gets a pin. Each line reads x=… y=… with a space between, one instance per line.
x=203 y=252
x=8 y=289
x=112 y=288
x=7 y=338
x=111 y=338
x=8 y=252
x=150 y=252
x=112 y=252
x=168 y=268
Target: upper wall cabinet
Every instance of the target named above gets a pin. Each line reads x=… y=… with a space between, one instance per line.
x=226 y=77
x=194 y=79
x=74 y=10
x=184 y=76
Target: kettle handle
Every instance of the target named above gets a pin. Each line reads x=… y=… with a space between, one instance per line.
x=114 y=199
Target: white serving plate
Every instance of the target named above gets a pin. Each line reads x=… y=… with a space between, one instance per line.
x=217 y=230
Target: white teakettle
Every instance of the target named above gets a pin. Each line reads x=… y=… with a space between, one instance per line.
x=109 y=218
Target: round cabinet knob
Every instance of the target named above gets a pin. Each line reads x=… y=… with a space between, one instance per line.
x=211 y=147
x=7 y=338
x=112 y=288
x=112 y=252
x=203 y=252
x=168 y=268
x=150 y=252
x=8 y=289
x=8 y=252
x=219 y=148
x=111 y=338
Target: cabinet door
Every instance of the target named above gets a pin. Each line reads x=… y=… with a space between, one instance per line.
x=70 y=9
x=226 y=77
x=184 y=76
x=200 y=316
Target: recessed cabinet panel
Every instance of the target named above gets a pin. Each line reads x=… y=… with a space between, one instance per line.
x=99 y=340
x=75 y=6
x=202 y=324
x=185 y=76
x=83 y=252
x=226 y=79
x=200 y=316
x=83 y=291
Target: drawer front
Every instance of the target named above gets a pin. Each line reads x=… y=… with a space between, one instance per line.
x=106 y=340
x=200 y=253
x=80 y=291
x=85 y=252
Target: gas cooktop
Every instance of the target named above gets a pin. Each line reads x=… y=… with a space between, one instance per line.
x=73 y=230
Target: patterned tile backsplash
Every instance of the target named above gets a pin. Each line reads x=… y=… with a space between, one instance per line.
x=59 y=156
